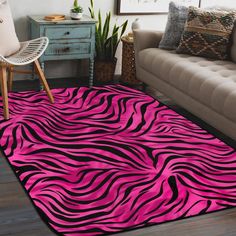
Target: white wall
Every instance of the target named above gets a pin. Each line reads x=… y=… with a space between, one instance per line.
x=22 y=8
x=227 y=3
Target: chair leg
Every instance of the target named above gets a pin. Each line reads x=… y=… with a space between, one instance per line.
x=10 y=78
x=43 y=80
x=3 y=81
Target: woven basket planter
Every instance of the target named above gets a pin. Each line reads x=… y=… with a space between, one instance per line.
x=105 y=70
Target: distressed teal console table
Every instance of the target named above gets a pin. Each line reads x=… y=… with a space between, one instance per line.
x=68 y=39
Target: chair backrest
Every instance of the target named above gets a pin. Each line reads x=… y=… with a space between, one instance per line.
x=9 y=42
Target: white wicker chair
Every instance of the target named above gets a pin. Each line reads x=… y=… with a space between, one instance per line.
x=29 y=52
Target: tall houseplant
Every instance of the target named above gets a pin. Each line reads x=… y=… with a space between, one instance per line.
x=107 y=41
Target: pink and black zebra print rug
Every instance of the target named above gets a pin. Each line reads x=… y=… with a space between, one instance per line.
x=109 y=159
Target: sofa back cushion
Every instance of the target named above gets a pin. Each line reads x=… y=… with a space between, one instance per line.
x=233 y=36
x=175 y=26
x=207 y=33
x=9 y=42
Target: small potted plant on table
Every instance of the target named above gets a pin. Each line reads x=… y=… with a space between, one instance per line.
x=76 y=12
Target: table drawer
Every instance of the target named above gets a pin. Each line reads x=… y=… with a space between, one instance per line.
x=68 y=49
x=68 y=33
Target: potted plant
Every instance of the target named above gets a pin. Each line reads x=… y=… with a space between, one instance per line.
x=107 y=41
x=76 y=13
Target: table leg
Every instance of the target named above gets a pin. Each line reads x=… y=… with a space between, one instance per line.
x=42 y=64
x=33 y=71
x=91 y=71
x=3 y=82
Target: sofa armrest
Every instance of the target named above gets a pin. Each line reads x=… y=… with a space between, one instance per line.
x=145 y=39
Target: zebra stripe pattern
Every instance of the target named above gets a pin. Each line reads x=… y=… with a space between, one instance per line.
x=107 y=159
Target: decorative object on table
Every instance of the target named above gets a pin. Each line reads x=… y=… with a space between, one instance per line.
x=76 y=12
x=207 y=33
x=69 y=39
x=109 y=159
x=55 y=17
x=134 y=7
x=107 y=41
x=128 y=72
x=177 y=17
x=136 y=24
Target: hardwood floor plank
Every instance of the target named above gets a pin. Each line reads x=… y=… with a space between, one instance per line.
x=30 y=233
x=34 y=232
x=20 y=228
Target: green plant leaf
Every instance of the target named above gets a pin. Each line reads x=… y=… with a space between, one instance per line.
x=99 y=36
x=106 y=46
x=99 y=24
x=123 y=29
x=106 y=27
x=91 y=13
x=76 y=5
x=91 y=9
x=92 y=4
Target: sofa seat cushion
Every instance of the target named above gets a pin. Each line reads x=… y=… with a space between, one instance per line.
x=211 y=82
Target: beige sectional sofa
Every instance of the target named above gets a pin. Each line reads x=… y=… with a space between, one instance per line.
x=204 y=87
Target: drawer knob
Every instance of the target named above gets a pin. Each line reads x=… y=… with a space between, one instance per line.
x=67 y=33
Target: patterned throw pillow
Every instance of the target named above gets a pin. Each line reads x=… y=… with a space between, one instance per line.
x=207 y=33
x=177 y=17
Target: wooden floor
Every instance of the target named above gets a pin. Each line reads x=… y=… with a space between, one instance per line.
x=18 y=216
